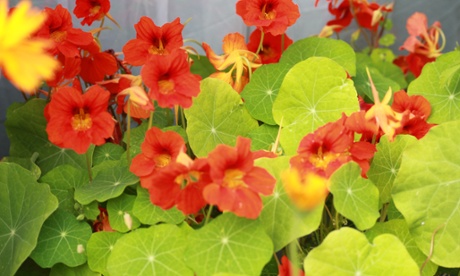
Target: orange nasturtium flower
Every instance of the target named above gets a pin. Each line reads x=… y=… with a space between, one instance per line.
x=92 y=10
x=305 y=190
x=95 y=65
x=236 y=182
x=270 y=16
x=24 y=60
x=170 y=80
x=153 y=40
x=271 y=46
x=78 y=120
x=236 y=55
x=386 y=118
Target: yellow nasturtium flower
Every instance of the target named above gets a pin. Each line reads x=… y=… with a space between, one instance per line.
x=24 y=60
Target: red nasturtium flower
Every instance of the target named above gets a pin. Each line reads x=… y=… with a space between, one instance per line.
x=236 y=182
x=95 y=65
x=270 y=16
x=271 y=46
x=286 y=267
x=78 y=120
x=159 y=149
x=181 y=184
x=102 y=223
x=153 y=40
x=369 y=15
x=91 y=10
x=170 y=80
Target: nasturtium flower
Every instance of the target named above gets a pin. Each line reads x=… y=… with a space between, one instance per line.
x=24 y=60
x=95 y=64
x=77 y=120
x=286 y=267
x=342 y=13
x=236 y=183
x=153 y=40
x=270 y=16
x=102 y=222
x=369 y=14
x=305 y=189
x=272 y=46
x=158 y=150
x=91 y=10
x=181 y=184
x=170 y=80
x=237 y=57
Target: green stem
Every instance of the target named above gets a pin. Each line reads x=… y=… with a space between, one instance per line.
x=150 y=119
x=128 y=133
x=208 y=215
x=100 y=26
x=88 y=165
x=261 y=43
x=383 y=214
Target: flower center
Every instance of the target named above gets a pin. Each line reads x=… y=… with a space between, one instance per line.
x=81 y=121
x=184 y=179
x=95 y=10
x=58 y=36
x=268 y=12
x=162 y=160
x=166 y=87
x=158 y=47
x=234 y=178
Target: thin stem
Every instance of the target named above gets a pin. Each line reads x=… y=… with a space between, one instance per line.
x=383 y=214
x=150 y=119
x=176 y=114
x=182 y=117
x=430 y=254
x=261 y=43
x=100 y=26
x=88 y=165
x=128 y=133
x=276 y=259
x=208 y=215
x=337 y=220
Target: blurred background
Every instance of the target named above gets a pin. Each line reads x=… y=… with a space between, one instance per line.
x=211 y=20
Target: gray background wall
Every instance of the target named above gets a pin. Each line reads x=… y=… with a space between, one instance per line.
x=212 y=19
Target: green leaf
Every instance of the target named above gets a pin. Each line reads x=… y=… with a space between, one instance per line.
x=282 y=221
x=229 y=244
x=26 y=129
x=314 y=92
x=118 y=208
x=386 y=162
x=99 y=248
x=63 y=180
x=26 y=163
x=109 y=183
x=263 y=137
x=347 y=252
x=157 y=250
x=148 y=213
x=106 y=152
x=82 y=270
x=355 y=197
x=387 y=39
x=91 y=211
x=24 y=206
x=337 y=50
x=217 y=116
x=201 y=66
x=62 y=240
x=440 y=89
x=426 y=191
x=385 y=56
x=260 y=93
x=399 y=228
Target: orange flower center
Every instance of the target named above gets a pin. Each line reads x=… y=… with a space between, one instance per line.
x=268 y=12
x=158 y=47
x=166 y=87
x=184 y=179
x=94 y=10
x=162 y=160
x=59 y=36
x=321 y=160
x=234 y=178
x=81 y=121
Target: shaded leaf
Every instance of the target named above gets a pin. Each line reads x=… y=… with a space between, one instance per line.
x=100 y=246
x=117 y=209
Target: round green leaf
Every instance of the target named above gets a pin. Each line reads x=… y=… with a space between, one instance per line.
x=82 y=270
x=229 y=244
x=108 y=183
x=157 y=250
x=314 y=92
x=24 y=207
x=337 y=50
x=26 y=163
x=62 y=240
x=263 y=137
x=347 y=252
x=398 y=227
x=26 y=129
x=99 y=248
x=106 y=152
x=260 y=93
x=426 y=191
x=440 y=85
x=282 y=221
x=386 y=162
x=217 y=116
x=120 y=207
x=355 y=197
x=148 y=213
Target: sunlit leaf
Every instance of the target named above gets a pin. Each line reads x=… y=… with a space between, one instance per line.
x=229 y=244
x=348 y=252
x=119 y=209
x=100 y=246
x=263 y=137
x=426 y=191
x=217 y=116
x=24 y=207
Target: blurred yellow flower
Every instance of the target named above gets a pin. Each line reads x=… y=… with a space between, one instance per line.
x=24 y=60
x=306 y=191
